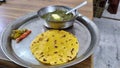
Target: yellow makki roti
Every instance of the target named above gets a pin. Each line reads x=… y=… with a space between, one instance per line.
x=55 y=47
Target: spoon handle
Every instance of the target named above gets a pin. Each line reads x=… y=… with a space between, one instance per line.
x=80 y=5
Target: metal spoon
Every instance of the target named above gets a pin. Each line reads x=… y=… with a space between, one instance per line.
x=80 y=5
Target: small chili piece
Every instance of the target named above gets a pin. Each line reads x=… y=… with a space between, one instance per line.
x=24 y=35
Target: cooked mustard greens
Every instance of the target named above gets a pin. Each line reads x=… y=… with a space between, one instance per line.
x=58 y=15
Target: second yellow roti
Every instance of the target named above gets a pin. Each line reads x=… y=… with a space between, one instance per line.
x=55 y=47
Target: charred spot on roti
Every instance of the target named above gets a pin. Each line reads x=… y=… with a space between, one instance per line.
x=44 y=59
x=64 y=36
x=62 y=43
x=56 y=46
x=40 y=39
x=48 y=55
x=66 y=41
x=72 y=44
x=60 y=55
x=61 y=60
x=42 y=34
x=34 y=43
x=55 y=41
x=70 y=39
x=72 y=50
x=41 y=53
x=53 y=35
x=76 y=42
x=47 y=40
x=55 y=62
x=36 y=53
x=55 y=52
x=69 y=56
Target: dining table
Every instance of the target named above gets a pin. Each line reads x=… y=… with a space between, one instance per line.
x=13 y=9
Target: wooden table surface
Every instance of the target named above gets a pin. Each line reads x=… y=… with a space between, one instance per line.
x=13 y=9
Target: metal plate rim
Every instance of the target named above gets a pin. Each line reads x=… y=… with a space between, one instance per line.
x=30 y=15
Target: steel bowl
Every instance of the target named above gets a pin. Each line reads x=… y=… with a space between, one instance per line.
x=57 y=24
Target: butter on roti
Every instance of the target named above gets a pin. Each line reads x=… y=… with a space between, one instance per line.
x=55 y=47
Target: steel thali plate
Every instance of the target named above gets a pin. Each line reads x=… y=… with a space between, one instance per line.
x=83 y=28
